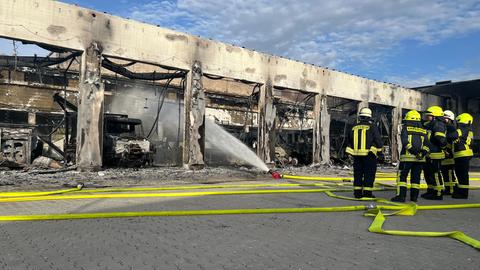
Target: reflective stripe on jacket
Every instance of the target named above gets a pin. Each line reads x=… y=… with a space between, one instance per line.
x=364 y=138
x=437 y=138
x=461 y=146
x=451 y=137
x=413 y=138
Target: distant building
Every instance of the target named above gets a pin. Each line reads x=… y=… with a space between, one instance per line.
x=460 y=97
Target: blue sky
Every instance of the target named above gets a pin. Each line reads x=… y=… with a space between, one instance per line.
x=408 y=42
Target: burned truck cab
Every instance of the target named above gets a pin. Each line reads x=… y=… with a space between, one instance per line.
x=124 y=143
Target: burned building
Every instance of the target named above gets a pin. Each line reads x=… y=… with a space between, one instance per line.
x=459 y=97
x=289 y=112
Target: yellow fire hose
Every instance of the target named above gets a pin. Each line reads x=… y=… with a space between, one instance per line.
x=378 y=200
x=375 y=227
x=182 y=213
x=77 y=190
x=345 y=178
x=379 y=220
x=158 y=195
x=394 y=173
x=134 y=189
x=371 y=210
x=39 y=193
x=410 y=210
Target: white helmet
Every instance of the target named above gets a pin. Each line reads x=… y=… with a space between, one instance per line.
x=365 y=112
x=449 y=115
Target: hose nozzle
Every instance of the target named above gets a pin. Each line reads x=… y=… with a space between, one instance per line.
x=275 y=175
x=80 y=186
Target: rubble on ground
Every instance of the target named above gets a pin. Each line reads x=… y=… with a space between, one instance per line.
x=46 y=163
x=18 y=179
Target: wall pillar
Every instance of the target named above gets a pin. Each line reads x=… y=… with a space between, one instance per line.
x=360 y=105
x=194 y=123
x=32 y=118
x=90 y=111
x=321 y=131
x=462 y=105
x=396 y=130
x=266 y=124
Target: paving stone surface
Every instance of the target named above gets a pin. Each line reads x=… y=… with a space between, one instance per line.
x=283 y=241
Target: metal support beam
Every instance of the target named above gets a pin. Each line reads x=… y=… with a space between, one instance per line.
x=194 y=109
x=266 y=124
x=321 y=131
x=90 y=110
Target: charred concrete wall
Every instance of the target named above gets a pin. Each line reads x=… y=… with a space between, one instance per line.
x=295 y=116
x=266 y=81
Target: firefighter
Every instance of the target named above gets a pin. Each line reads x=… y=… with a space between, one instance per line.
x=437 y=141
x=462 y=154
x=448 y=164
x=412 y=156
x=363 y=144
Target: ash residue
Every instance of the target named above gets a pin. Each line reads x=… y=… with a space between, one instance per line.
x=17 y=179
x=126 y=176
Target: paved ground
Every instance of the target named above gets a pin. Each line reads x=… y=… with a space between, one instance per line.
x=285 y=241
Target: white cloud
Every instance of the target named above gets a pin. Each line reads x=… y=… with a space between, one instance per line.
x=470 y=70
x=416 y=79
x=325 y=32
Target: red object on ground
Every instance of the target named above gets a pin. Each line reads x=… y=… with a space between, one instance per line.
x=276 y=175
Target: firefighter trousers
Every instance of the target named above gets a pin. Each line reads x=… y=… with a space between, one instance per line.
x=433 y=177
x=462 y=167
x=449 y=178
x=414 y=169
x=364 y=169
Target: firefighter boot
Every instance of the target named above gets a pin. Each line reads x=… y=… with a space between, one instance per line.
x=368 y=194
x=357 y=193
x=401 y=195
x=435 y=196
x=414 y=194
x=430 y=192
x=460 y=193
x=450 y=187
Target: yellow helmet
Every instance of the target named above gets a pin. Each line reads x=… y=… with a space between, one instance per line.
x=365 y=112
x=465 y=118
x=436 y=111
x=413 y=115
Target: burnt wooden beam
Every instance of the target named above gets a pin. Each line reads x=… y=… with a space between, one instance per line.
x=48 y=141
x=194 y=112
x=90 y=110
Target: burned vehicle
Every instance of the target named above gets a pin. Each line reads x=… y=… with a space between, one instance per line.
x=123 y=140
x=122 y=146
x=15 y=147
